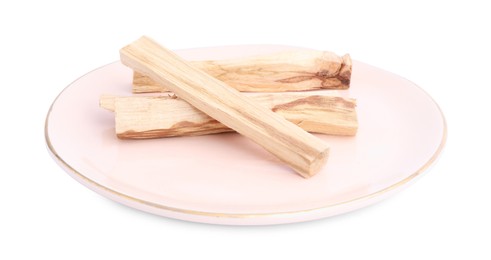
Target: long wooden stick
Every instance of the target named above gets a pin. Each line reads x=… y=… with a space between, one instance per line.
x=303 y=152
x=143 y=117
x=283 y=71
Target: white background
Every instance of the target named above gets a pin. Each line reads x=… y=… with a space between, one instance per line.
x=444 y=48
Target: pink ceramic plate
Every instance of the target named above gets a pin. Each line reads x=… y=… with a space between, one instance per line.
x=225 y=178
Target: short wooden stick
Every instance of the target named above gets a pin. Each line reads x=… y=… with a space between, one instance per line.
x=284 y=71
x=143 y=117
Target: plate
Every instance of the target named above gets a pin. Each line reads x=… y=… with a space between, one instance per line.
x=227 y=179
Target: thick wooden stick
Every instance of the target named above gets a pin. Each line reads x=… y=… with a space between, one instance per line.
x=303 y=152
x=284 y=71
x=143 y=117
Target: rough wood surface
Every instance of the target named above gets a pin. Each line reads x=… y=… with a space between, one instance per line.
x=283 y=71
x=303 y=152
x=143 y=117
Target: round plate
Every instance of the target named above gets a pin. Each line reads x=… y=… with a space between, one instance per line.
x=227 y=179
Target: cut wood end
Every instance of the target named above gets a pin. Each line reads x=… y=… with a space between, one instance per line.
x=107 y=102
x=336 y=75
x=346 y=70
x=317 y=164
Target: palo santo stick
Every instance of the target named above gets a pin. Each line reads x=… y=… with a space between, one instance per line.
x=303 y=152
x=284 y=71
x=143 y=117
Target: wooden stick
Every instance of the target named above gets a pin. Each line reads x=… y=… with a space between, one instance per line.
x=303 y=152
x=284 y=71
x=143 y=117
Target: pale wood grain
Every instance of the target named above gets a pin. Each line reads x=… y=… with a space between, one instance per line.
x=284 y=71
x=303 y=152
x=143 y=117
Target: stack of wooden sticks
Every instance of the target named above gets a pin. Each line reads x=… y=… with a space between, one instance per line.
x=271 y=99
